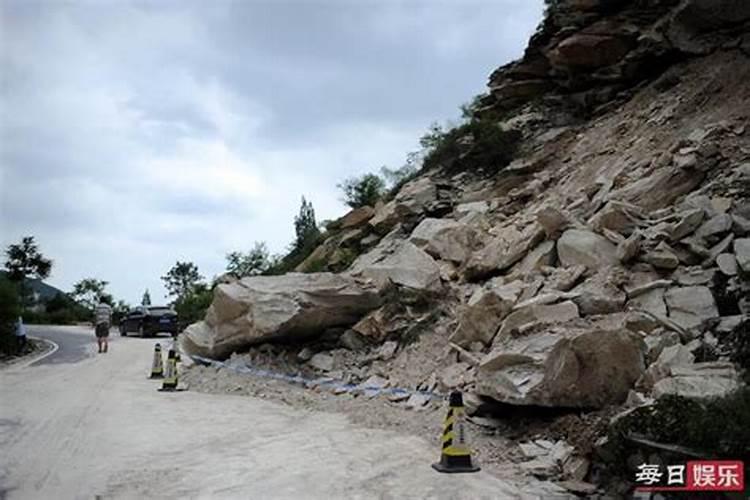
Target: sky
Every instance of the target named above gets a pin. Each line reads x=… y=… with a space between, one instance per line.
x=135 y=134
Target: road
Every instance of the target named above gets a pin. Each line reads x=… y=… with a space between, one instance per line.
x=96 y=427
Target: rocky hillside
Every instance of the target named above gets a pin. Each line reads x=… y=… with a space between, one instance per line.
x=606 y=265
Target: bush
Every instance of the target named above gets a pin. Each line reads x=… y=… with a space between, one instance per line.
x=478 y=146
x=363 y=191
x=715 y=428
x=192 y=307
x=10 y=310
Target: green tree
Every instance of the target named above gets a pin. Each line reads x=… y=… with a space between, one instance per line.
x=182 y=279
x=362 y=191
x=10 y=309
x=25 y=261
x=305 y=227
x=89 y=291
x=252 y=263
x=192 y=307
x=146 y=300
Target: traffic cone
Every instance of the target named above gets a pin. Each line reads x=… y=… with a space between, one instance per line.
x=157 y=367
x=170 y=375
x=456 y=455
x=176 y=350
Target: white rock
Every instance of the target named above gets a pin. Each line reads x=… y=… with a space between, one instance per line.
x=727 y=264
x=260 y=308
x=700 y=381
x=691 y=220
x=538 y=314
x=445 y=239
x=562 y=366
x=507 y=248
x=400 y=262
x=578 y=247
x=742 y=252
x=480 y=319
x=719 y=224
x=691 y=306
x=322 y=361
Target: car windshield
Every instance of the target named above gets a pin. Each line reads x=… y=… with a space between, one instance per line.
x=159 y=310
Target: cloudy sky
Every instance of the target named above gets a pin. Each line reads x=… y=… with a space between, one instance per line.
x=135 y=134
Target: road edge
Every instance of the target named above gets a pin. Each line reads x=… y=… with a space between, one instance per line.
x=23 y=363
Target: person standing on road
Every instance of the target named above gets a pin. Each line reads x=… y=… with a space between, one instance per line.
x=102 y=322
x=20 y=336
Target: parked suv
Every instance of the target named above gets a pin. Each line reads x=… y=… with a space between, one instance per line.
x=147 y=321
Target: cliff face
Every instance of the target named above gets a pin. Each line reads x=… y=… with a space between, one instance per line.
x=608 y=262
x=588 y=53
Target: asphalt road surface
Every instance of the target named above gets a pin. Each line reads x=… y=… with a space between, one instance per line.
x=87 y=425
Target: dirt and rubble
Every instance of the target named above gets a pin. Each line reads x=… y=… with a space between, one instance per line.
x=606 y=267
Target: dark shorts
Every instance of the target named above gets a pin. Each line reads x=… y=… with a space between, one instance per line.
x=102 y=330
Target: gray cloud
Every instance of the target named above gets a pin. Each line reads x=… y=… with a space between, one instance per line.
x=137 y=133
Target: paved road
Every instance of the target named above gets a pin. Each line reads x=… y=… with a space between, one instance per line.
x=98 y=427
x=74 y=343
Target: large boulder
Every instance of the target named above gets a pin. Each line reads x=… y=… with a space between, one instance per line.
x=564 y=367
x=508 y=247
x=261 y=308
x=579 y=247
x=445 y=239
x=399 y=262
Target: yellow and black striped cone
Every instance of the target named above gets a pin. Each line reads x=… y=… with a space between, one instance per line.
x=456 y=455
x=157 y=367
x=176 y=350
x=170 y=374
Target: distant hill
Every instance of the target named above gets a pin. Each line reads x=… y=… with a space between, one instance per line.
x=40 y=288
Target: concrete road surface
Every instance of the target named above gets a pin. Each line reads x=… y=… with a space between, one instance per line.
x=98 y=428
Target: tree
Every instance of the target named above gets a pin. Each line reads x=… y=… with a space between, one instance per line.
x=362 y=191
x=146 y=300
x=24 y=261
x=89 y=291
x=305 y=227
x=252 y=263
x=182 y=279
x=192 y=307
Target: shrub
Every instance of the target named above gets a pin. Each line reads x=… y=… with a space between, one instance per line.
x=478 y=146
x=715 y=428
x=362 y=191
x=192 y=307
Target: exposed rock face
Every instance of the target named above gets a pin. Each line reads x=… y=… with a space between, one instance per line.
x=399 y=262
x=258 y=309
x=563 y=367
